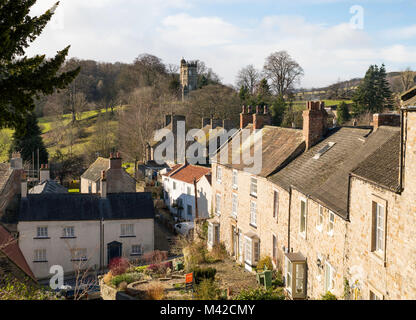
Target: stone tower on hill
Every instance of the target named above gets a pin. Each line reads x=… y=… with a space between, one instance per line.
x=189 y=77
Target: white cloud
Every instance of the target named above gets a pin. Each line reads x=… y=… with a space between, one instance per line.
x=119 y=30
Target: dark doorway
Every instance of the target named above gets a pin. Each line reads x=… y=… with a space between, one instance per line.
x=114 y=250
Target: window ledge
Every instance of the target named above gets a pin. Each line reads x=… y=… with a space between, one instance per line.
x=79 y=260
x=68 y=237
x=232 y=216
x=41 y=238
x=303 y=235
x=377 y=258
x=253 y=195
x=44 y=261
x=136 y=254
x=131 y=236
x=253 y=226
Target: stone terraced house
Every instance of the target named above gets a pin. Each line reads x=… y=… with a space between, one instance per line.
x=334 y=208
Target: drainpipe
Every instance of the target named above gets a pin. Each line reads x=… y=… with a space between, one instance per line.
x=401 y=150
x=288 y=219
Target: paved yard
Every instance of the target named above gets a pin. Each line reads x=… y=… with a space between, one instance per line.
x=233 y=276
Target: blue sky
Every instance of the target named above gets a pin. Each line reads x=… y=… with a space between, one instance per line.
x=230 y=34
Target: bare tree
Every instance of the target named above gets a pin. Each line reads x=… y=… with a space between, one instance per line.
x=283 y=72
x=144 y=114
x=248 y=77
x=407 y=79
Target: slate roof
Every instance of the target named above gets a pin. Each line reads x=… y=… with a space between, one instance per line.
x=382 y=167
x=5 y=173
x=188 y=173
x=48 y=186
x=10 y=248
x=76 y=207
x=93 y=173
x=326 y=179
x=279 y=146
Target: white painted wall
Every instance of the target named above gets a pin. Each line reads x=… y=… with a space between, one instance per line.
x=87 y=235
x=188 y=198
x=95 y=186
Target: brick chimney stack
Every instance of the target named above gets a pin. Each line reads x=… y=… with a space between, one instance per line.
x=245 y=117
x=16 y=162
x=115 y=160
x=44 y=173
x=23 y=186
x=261 y=119
x=314 y=122
x=386 y=119
x=103 y=185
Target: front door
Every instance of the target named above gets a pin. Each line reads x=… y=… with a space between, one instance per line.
x=114 y=250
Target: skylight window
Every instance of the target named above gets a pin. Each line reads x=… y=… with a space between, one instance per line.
x=323 y=150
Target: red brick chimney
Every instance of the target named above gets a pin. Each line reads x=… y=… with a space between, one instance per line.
x=115 y=160
x=314 y=122
x=386 y=119
x=245 y=117
x=261 y=119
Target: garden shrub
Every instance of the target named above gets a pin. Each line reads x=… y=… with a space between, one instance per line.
x=107 y=278
x=265 y=263
x=155 y=291
x=141 y=269
x=218 y=252
x=201 y=274
x=14 y=289
x=329 y=296
x=261 y=294
x=278 y=279
x=126 y=277
x=119 y=266
x=195 y=253
x=155 y=257
x=207 y=290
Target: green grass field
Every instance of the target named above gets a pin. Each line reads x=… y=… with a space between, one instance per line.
x=86 y=119
x=301 y=105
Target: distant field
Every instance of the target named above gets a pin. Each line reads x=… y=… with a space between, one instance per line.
x=301 y=105
x=86 y=120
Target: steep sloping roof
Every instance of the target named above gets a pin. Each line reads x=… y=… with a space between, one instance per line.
x=382 y=167
x=279 y=146
x=173 y=170
x=10 y=248
x=93 y=173
x=190 y=172
x=325 y=179
x=48 y=186
x=5 y=174
x=75 y=207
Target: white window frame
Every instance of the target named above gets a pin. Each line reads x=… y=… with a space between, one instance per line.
x=218 y=204
x=379 y=229
x=235 y=179
x=288 y=275
x=234 y=205
x=276 y=204
x=303 y=233
x=136 y=250
x=253 y=213
x=219 y=174
x=40 y=255
x=68 y=232
x=189 y=191
x=248 y=250
x=331 y=223
x=253 y=185
x=79 y=254
x=127 y=230
x=42 y=232
x=321 y=218
x=210 y=234
x=329 y=284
